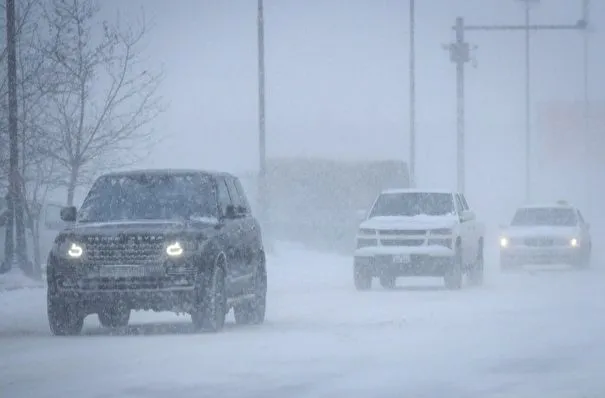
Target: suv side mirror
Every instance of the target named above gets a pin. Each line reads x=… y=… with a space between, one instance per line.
x=68 y=214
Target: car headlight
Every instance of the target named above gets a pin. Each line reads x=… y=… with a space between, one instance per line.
x=574 y=242
x=179 y=247
x=504 y=242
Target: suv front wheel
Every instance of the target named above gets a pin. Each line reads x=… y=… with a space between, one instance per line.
x=210 y=307
x=64 y=318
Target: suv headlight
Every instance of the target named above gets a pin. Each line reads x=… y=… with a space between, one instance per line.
x=504 y=242
x=71 y=249
x=574 y=242
x=179 y=247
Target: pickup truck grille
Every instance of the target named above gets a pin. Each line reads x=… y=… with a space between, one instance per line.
x=124 y=249
x=402 y=242
x=402 y=232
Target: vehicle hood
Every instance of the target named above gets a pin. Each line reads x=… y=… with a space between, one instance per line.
x=136 y=227
x=410 y=222
x=529 y=232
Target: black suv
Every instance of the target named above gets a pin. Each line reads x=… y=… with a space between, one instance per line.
x=161 y=240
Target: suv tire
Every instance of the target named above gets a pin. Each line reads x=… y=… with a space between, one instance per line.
x=210 y=307
x=64 y=318
x=252 y=312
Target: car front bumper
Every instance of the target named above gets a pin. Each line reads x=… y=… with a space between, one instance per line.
x=517 y=256
x=166 y=287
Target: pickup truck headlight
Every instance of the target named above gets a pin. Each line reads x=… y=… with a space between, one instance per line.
x=574 y=242
x=504 y=242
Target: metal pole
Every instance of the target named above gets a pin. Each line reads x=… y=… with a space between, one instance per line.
x=12 y=123
x=527 y=105
x=412 y=94
x=262 y=174
x=461 y=58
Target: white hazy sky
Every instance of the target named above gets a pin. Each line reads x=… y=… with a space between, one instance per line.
x=337 y=85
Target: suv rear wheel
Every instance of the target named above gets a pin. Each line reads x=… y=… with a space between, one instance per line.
x=252 y=312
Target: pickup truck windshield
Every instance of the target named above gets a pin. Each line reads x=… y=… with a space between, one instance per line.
x=148 y=197
x=413 y=204
x=547 y=216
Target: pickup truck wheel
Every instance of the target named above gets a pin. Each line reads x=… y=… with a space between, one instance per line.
x=210 y=308
x=453 y=275
x=64 y=318
x=476 y=274
x=362 y=278
x=115 y=316
x=252 y=312
x=388 y=281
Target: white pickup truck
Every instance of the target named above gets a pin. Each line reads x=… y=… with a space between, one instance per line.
x=411 y=232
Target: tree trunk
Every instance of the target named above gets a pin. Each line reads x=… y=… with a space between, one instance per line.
x=71 y=187
x=9 y=236
x=37 y=266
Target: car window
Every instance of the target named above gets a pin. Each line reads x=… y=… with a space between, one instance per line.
x=459 y=205
x=464 y=203
x=242 y=194
x=235 y=196
x=224 y=199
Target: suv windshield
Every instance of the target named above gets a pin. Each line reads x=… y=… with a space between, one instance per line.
x=551 y=216
x=412 y=204
x=149 y=197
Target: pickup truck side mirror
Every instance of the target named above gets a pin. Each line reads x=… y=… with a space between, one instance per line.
x=68 y=214
x=467 y=215
x=232 y=212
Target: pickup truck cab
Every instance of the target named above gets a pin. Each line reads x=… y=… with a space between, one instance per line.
x=411 y=232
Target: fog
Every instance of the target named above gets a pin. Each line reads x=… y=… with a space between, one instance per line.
x=337 y=87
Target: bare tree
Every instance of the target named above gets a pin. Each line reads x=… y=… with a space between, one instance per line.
x=105 y=100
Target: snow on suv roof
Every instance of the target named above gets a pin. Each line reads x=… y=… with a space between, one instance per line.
x=415 y=190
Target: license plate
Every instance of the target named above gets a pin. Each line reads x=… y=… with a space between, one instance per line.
x=122 y=271
x=401 y=258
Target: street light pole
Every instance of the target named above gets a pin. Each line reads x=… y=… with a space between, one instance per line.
x=528 y=131
x=412 y=115
x=262 y=171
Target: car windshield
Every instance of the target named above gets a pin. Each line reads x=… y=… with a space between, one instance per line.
x=413 y=204
x=547 y=216
x=148 y=197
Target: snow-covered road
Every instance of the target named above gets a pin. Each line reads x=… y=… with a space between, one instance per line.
x=525 y=335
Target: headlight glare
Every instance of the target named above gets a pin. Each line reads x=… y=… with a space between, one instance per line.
x=75 y=250
x=504 y=242
x=574 y=242
x=174 y=250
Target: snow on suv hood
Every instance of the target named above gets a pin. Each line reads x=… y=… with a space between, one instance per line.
x=526 y=232
x=413 y=222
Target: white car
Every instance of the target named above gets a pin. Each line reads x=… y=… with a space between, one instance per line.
x=410 y=232
x=546 y=234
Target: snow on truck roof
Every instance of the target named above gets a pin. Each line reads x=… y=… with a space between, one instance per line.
x=416 y=190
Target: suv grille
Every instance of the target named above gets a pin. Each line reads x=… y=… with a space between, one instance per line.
x=124 y=249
